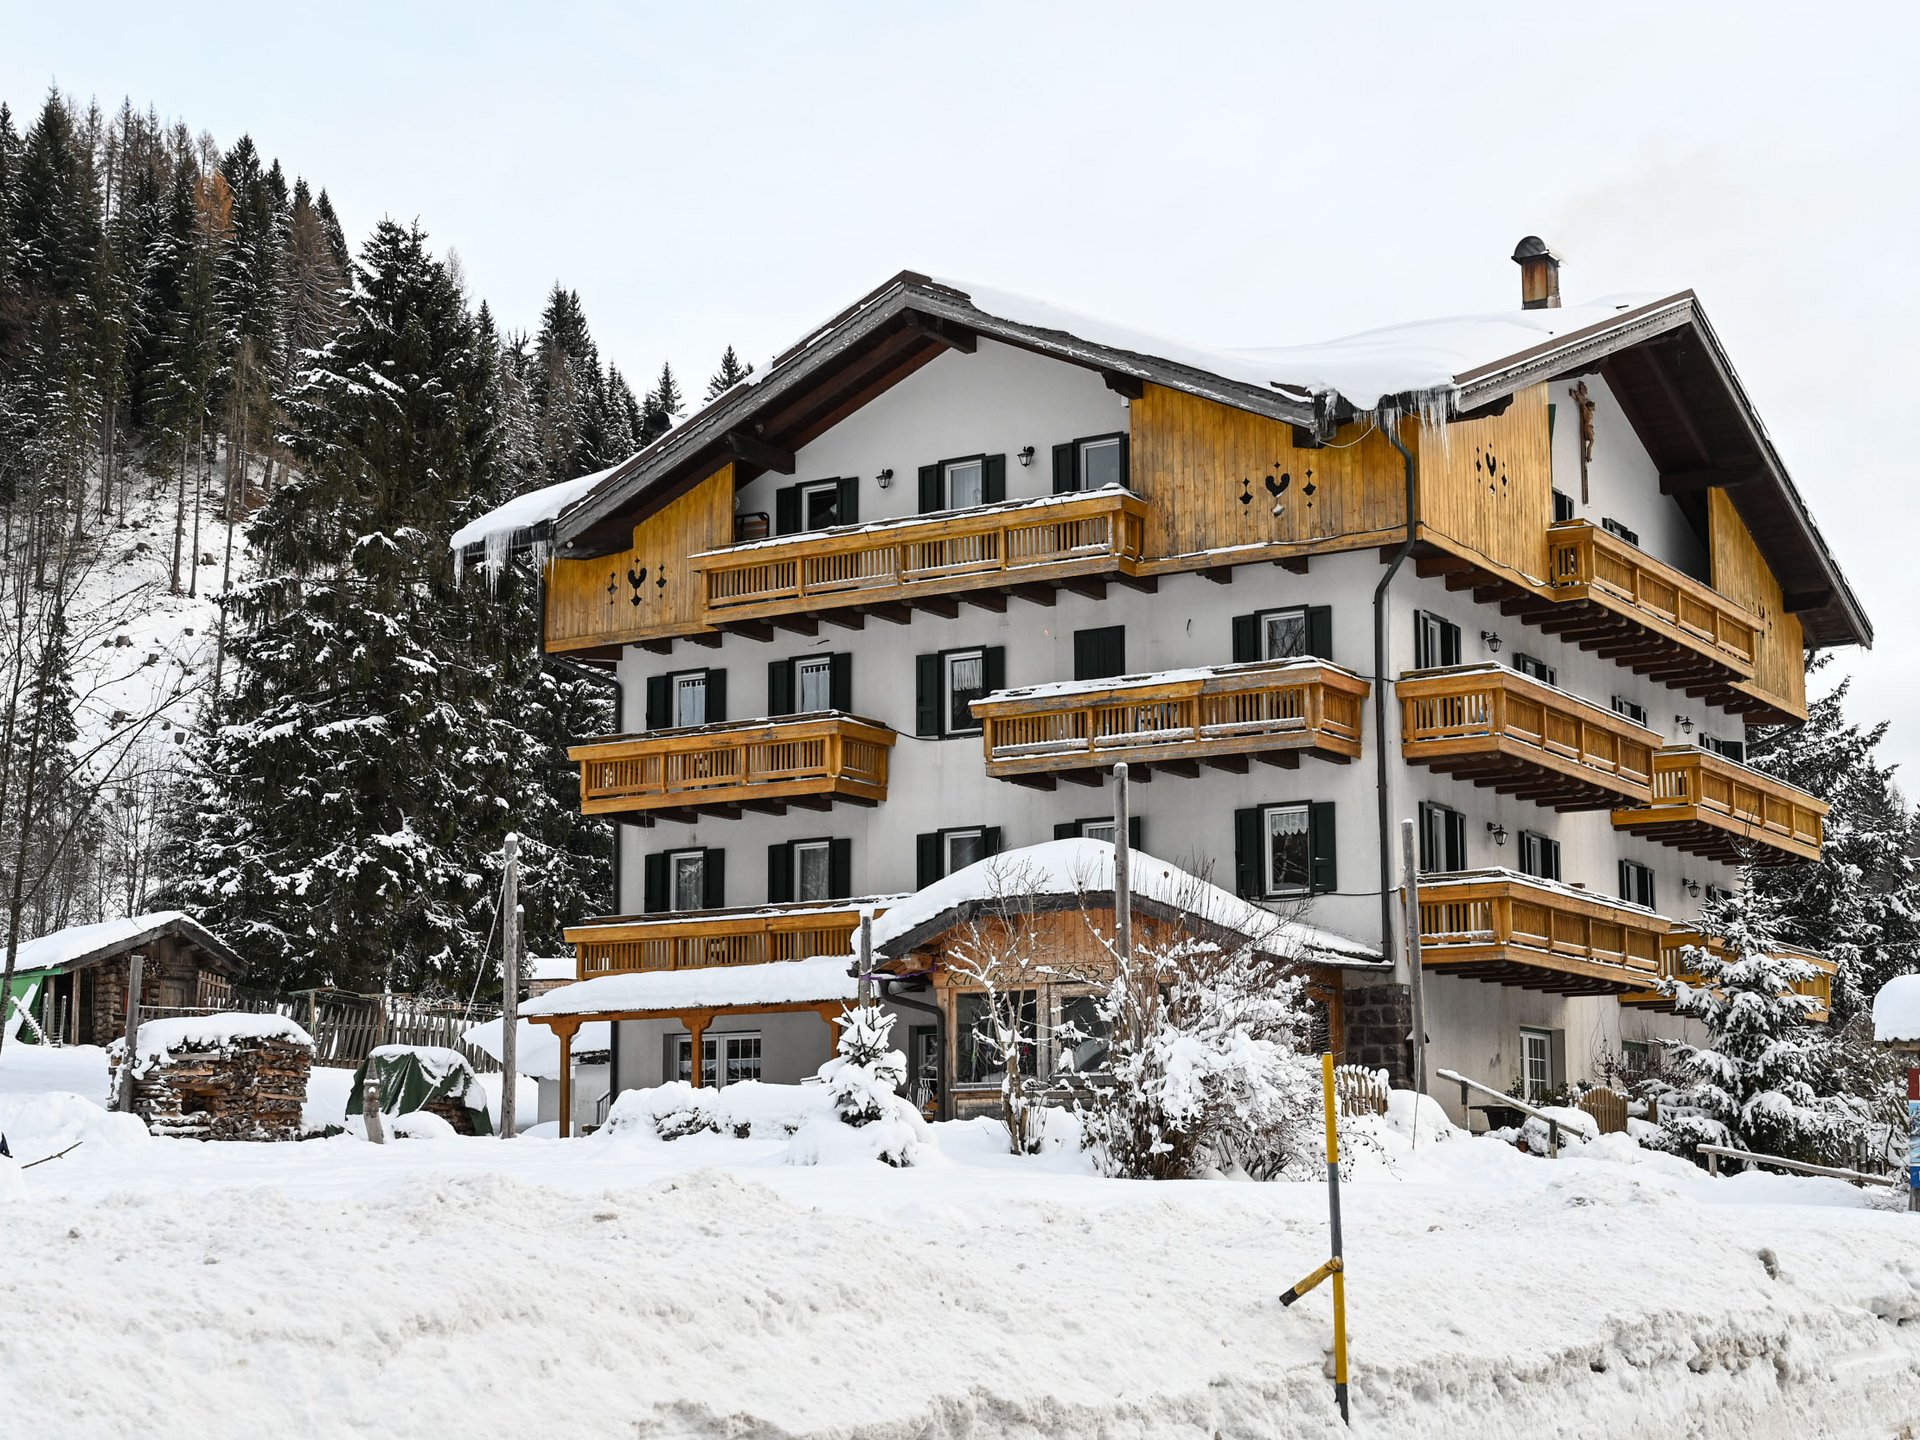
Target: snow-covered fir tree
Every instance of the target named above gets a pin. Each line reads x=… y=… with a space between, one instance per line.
x=730 y=374
x=662 y=408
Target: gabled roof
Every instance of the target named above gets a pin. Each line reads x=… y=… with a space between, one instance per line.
x=81 y=945
x=1659 y=354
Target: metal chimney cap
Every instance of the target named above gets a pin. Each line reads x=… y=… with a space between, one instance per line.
x=1532 y=247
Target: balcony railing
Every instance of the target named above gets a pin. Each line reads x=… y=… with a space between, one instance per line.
x=1513 y=734
x=699 y=939
x=1593 y=564
x=1513 y=930
x=1025 y=542
x=720 y=768
x=1676 y=963
x=1276 y=709
x=1719 y=809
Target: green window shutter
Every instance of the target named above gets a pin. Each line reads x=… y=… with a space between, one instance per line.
x=1126 y=462
x=1247 y=855
x=1456 y=840
x=1134 y=832
x=779 y=687
x=1550 y=410
x=993 y=479
x=839 y=868
x=786 y=510
x=931 y=498
x=1626 y=880
x=716 y=696
x=713 y=878
x=780 y=874
x=840 y=682
x=926 y=697
x=926 y=860
x=1067 y=830
x=1246 y=639
x=654 y=891
x=993 y=664
x=1066 y=470
x=1322 y=874
x=1100 y=652
x=846 y=504
x=1320 y=631
x=990 y=840
x=659 y=702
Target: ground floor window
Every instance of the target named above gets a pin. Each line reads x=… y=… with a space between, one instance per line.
x=724 y=1058
x=1062 y=1033
x=1536 y=1064
x=1081 y=1037
x=977 y=1056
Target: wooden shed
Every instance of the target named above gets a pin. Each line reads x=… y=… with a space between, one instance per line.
x=74 y=981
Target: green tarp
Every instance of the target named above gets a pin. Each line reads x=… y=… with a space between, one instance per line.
x=413 y=1076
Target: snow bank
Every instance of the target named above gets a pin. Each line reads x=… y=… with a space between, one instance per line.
x=780 y=982
x=158 y=1039
x=1068 y=867
x=1896 y=1010
x=40 y=1125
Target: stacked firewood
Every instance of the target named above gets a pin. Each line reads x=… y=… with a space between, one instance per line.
x=250 y=1088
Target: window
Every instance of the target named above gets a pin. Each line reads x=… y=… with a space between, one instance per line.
x=1632 y=537
x=976 y=1047
x=1090 y=463
x=1100 y=652
x=724 y=1058
x=1443 y=839
x=946 y=684
x=1632 y=709
x=1536 y=1064
x=816 y=505
x=809 y=684
x=1539 y=856
x=1100 y=827
x=1436 y=642
x=1732 y=749
x=1285 y=850
x=688 y=869
x=1562 y=507
x=1283 y=634
x=963 y=482
x=1538 y=669
x=808 y=870
x=1717 y=893
x=941 y=852
x=687 y=698
x=1636 y=883
x=1081 y=1039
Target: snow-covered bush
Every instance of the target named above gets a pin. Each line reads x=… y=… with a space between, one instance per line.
x=865 y=1117
x=746 y=1109
x=1751 y=1085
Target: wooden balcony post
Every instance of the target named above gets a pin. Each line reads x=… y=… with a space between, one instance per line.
x=564 y=1029
x=696 y=1023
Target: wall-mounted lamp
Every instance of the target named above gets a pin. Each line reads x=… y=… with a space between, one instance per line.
x=1026 y=455
x=1499 y=832
x=1692 y=887
x=885 y=477
x=1492 y=640
x=1685 y=723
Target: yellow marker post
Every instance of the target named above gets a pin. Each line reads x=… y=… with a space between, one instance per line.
x=1336 y=1267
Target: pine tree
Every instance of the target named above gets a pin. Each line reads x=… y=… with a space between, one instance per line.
x=730 y=374
x=660 y=411
x=1750 y=1085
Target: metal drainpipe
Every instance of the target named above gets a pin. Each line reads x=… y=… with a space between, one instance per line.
x=926 y=1007
x=1380 y=690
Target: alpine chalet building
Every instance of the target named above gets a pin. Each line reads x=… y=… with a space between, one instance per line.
x=901 y=600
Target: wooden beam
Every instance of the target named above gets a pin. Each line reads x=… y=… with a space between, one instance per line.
x=755 y=451
x=749 y=629
x=892 y=610
x=657 y=647
x=991 y=600
x=796 y=624
x=1297 y=564
x=945 y=332
x=947 y=607
x=1723 y=476
x=710 y=639
x=1218 y=574
x=1145 y=584
x=845 y=619
x=1131 y=386
x=1035 y=594
x=1093 y=588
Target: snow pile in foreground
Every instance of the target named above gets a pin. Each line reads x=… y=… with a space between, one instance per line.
x=40 y=1125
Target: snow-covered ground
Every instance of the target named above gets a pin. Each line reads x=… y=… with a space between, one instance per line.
x=627 y=1286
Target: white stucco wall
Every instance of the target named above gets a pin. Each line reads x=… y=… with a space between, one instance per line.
x=1622 y=481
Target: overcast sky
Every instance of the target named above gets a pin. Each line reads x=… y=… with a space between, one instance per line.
x=710 y=174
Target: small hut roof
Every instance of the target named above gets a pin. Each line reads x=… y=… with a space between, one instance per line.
x=81 y=945
x=1896 y=1011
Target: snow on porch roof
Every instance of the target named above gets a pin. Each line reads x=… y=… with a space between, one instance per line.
x=1896 y=1011
x=819 y=981
x=80 y=945
x=1067 y=868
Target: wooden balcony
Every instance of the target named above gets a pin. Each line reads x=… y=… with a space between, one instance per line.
x=1511 y=733
x=806 y=760
x=1512 y=930
x=1273 y=711
x=694 y=940
x=1676 y=964
x=1719 y=809
x=1025 y=547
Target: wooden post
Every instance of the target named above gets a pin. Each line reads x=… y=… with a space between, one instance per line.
x=565 y=1032
x=1122 y=879
x=863 y=987
x=510 y=992
x=370 y=1107
x=131 y=1058
x=697 y=1028
x=1410 y=868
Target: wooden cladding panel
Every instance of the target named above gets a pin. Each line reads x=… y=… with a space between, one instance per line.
x=1486 y=486
x=1742 y=574
x=649 y=590
x=1212 y=477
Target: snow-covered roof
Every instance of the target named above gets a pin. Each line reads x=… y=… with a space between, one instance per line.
x=538 y=1052
x=79 y=945
x=551 y=967
x=1559 y=887
x=1896 y=1011
x=159 y=1038
x=1067 y=868
x=782 y=982
x=496 y=531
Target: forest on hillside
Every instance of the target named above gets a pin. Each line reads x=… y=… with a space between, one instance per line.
x=209 y=392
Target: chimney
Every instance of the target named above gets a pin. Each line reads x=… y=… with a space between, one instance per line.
x=1539 y=274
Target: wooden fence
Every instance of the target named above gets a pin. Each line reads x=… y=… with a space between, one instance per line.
x=345 y=1026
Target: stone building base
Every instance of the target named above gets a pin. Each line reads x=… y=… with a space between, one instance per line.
x=1379 y=1020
